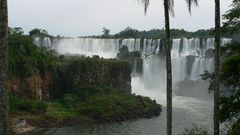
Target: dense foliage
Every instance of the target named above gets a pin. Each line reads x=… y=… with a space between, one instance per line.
x=102 y=105
x=106 y=105
x=134 y=58
x=84 y=84
x=17 y=103
x=26 y=59
x=230 y=102
x=156 y=33
x=230 y=80
x=195 y=131
x=235 y=129
x=39 y=33
x=84 y=75
x=232 y=17
x=230 y=70
x=106 y=33
x=118 y=106
x=127 y=33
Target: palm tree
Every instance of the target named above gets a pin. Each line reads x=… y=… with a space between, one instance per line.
x=3 y=67
x=217 y=63
x=168 y=8
x=190 y=3
x=217 y=67
x=168 y=67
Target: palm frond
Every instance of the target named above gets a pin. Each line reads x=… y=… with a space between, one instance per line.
x=190 y=3
x=145 y=4
x=171 y=7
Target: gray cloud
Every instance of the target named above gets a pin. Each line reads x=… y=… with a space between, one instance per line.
x=87 y=17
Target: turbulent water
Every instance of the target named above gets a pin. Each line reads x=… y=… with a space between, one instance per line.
x=192 y=104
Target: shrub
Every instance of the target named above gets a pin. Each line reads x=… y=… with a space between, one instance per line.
x=235 y=130
x=19 y=104
x=39 y=106
x=26 y=59
x=194 y=131
x=101 y=107
x=113 y=105
x=69 y=101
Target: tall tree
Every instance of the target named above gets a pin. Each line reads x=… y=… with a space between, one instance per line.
x=217 y=63
x=229 y=104
x=106 y=33
x=168 y=67
x=217 y=67
x=168 y=8
x=232 y=18
x=3 y=67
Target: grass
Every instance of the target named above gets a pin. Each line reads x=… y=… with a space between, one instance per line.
x=57 y=110
x=107 y=106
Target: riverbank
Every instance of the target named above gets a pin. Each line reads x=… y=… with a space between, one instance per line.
x=51 y=90
x=112 y=107
x=183 y=107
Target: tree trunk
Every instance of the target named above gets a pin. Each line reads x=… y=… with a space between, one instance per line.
x=169 y=68
x=3 y=67
x=217 y=67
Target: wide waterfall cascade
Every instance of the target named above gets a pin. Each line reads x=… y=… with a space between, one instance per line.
x=190 y=57
x=192 y=104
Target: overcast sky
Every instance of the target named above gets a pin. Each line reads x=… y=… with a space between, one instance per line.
x=88 y=17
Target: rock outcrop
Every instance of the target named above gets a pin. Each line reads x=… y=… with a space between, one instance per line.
x=83 y=72
x=33 y=87
x=92 y=72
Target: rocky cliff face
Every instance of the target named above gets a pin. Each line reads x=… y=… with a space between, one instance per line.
x=83 y=73
x=33 y=87
x=134 y=58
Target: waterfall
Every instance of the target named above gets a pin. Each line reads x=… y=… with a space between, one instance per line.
x=190 y=57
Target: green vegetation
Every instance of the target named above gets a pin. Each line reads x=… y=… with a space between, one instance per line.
x=134 y=58
x=84 y=76
x=158 y=34
x=26 y=59
x=57 y=110
x=195 y=131
x=230 y=72
x=203 y=33
x=232 y=17
x=230 y=79
x=39 y=33
x=235 y=129
x=106 y=33
x=127 y=33
x=115 y=106
x=105 y=105
x=82 y=87
x=230 y=103
x=17 y=103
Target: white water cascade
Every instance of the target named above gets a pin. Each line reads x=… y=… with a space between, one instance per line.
x=190 y=58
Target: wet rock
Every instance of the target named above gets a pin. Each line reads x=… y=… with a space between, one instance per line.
x=209 y=53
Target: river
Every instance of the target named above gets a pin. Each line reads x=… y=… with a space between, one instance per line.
x=187 y=112
x=192 y=104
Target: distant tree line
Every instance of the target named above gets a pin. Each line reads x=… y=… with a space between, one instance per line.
x=134 y=33
x=160 y=33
